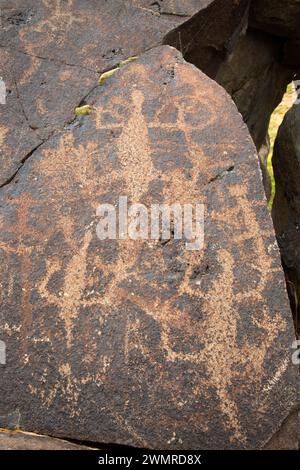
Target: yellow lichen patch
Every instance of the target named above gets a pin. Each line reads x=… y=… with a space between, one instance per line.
x=83 y=110
x=111 y=72
x=127 y=61
x=107 y=75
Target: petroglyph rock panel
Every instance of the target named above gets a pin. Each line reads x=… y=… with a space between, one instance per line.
x=142 y=342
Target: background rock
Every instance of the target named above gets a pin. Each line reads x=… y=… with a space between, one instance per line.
x=256 y=80
x=211 y=35
x=292 y=54
x=286 y=207
x=143 y=342
x=279 y=17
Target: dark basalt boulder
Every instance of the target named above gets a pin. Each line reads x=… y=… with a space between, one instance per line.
x=286 y=208
x=142 y=342
x=212 y=34
x=279 y=17
x=256 y=79
x=292 y=54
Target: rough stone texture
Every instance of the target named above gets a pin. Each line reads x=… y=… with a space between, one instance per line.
x=18 y=440
x=99 y=33
x=41 y=97
x=292 y=54
x=96 y=34
x=211 y=35
x=256 y=79
x=288 y=437
x=279 y=17
x=17 y=139
x=177 y=8
x=52 y=51
x=286 y=208
x=143 y=342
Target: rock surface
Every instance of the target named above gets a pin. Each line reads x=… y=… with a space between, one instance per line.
x=52 y=52
x=286 y=207
x=288 y=437
x=41 y=97
x=143 y=342
x=279 y=17
x=292 y=54
x=212 y=34
x=18 y=440
x=256 y=79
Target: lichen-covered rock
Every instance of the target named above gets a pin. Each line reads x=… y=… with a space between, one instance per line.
x=51 y=53
x=142 y=342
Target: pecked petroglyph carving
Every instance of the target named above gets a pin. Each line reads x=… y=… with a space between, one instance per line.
x=148 y=338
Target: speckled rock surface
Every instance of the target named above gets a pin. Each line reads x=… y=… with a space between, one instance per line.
x=18 y=440
x=143 y=342
x=51 y=53
x=288 y=436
